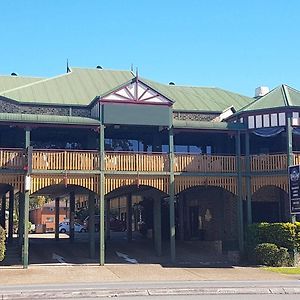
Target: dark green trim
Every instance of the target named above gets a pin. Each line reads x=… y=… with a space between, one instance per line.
x=207 y=125
x=248 y=178
x=101 y=198
x=134 y=114
x=47 y=119
x=172 y=196
x=203 y=174
x=239 y=193
x=57 y=213
x=63 y=172
x=26 y=211
x=11 y=214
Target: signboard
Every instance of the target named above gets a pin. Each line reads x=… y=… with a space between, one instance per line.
x=294 y=189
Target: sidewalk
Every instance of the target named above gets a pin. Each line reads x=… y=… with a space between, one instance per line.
x=59 y=273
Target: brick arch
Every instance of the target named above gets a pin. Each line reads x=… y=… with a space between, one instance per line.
x=88 y=182
x=262 y=181
x=160 y=183
x=184 y=182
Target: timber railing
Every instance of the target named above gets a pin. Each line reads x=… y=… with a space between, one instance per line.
x=89 y=160
x=268 y=162
x=82 y=160
x=130 y=161
x=12 y=159
x=204 y=163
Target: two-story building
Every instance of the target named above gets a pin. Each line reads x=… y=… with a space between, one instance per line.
x=208 y=160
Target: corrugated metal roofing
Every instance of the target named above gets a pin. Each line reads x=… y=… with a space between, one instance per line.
x=78 y=87
x=281 y=96
x=81 y=86
x=183 y=124
x=11 y=82
x=47 y=119
x=204 y=99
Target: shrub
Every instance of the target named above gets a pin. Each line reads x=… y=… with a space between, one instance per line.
x=2 y=243
x=285 y=235
x=269 y=254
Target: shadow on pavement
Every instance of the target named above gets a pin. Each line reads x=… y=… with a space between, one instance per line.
x=44 y=249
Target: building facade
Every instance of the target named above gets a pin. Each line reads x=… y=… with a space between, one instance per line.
x=205 y=161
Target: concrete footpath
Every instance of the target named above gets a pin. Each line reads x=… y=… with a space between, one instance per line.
x=91 y=281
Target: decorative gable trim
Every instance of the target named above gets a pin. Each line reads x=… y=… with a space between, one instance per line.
x=136 y=92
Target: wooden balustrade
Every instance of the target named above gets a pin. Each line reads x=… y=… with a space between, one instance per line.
x=296 y=158
x=204 y=163
x=65 y=160
x=268 y=162
x=12 y=159
x=143 y=162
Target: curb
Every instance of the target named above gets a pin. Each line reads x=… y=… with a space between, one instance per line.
x=105 y=293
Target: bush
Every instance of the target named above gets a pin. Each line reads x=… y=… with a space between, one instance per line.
x=270 y=255
x=285 y=235
x=2 y=243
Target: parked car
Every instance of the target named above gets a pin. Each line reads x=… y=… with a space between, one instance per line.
x=65 y=227
x=114 y=224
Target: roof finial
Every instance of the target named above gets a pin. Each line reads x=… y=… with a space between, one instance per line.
x=68 y=69
x=137 y=73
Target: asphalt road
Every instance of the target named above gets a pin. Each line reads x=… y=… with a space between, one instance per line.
x=158 y=290
x=213 y=297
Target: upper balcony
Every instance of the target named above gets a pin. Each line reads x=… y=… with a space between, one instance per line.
x=89 y=160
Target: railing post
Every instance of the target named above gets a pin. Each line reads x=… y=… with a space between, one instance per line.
x=101 y=190
x=65 y=160
x=248 y=178
x=289 y=142
x=26 y=205
x=172 y=195
x=239 y=192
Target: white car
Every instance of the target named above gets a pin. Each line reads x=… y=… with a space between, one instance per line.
x=65 y=227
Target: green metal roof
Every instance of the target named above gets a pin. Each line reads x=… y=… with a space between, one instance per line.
x=81 y=86
x=281 y=96
x=182 y=124
x=78 y=87
x=11 y=82
x=47 y=119
x=204 y=99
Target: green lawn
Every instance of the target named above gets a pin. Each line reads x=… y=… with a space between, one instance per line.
x=283 y=270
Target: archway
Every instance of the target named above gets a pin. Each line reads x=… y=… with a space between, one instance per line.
x=60 y=234
x=207 y=216
x=270 y=204
x=139 y=208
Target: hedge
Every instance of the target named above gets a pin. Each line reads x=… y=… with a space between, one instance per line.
x=2 y=243
x=282 y=235
x=285 y=235
x=270 y=255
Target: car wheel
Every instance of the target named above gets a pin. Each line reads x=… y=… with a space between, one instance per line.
x=63 y=230
x=82 y=230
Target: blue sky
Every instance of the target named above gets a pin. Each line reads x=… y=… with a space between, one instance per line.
x=235 y=45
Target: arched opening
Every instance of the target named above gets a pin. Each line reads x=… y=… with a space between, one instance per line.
x=270 y=204
x=60 y=235
x=134 y=226
x=207 y=219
